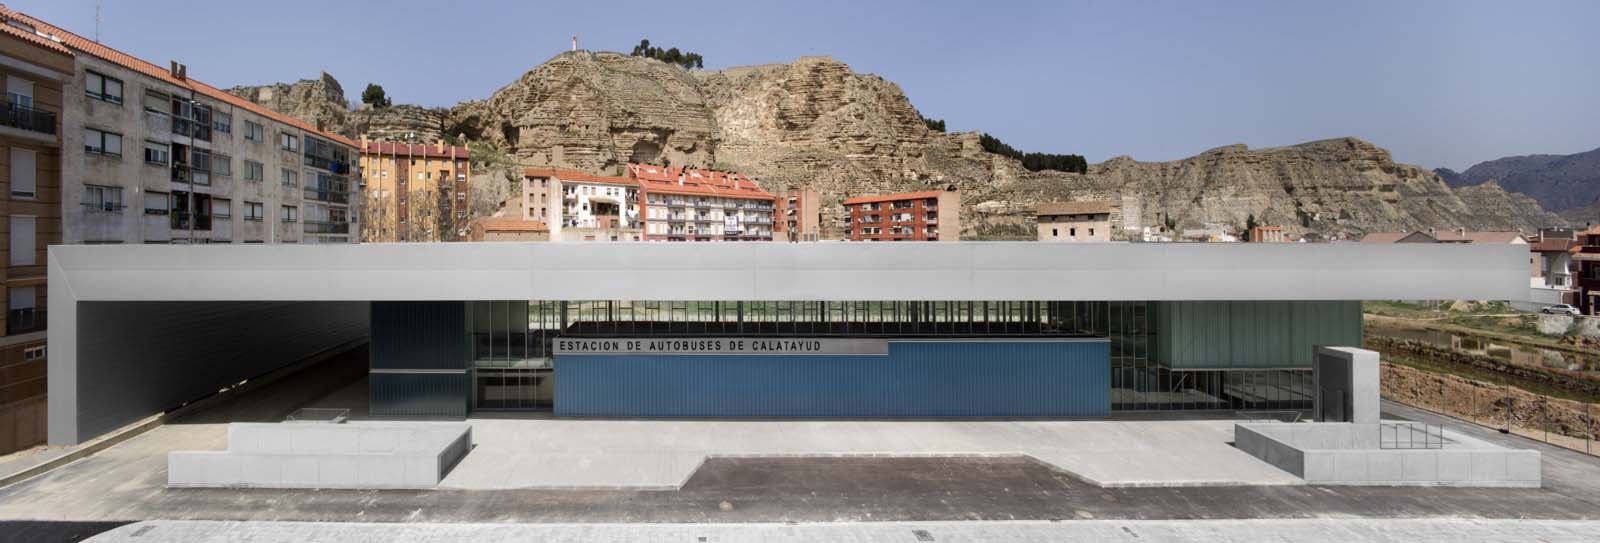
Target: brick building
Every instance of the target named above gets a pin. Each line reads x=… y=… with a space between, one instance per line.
x=415 y=191
x=932 y=215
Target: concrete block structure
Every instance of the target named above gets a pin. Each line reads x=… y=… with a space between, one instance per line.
x=963 y=329
x=1382 y=454
x=1347 y=388
x=367 y=455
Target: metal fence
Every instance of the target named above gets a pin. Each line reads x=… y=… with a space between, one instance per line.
x=1410 y=435
x=1569 y=424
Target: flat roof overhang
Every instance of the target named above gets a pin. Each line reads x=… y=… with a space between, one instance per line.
x=831 y=271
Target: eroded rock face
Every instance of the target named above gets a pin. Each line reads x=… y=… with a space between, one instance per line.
x=817 y=123
x=405 y=123
x=319 y=102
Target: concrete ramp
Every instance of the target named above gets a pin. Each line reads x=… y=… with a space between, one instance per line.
x=361 y=455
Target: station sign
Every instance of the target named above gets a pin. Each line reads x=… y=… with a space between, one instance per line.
x=722 y=346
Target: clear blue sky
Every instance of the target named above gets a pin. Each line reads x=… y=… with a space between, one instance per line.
x=1439 y=83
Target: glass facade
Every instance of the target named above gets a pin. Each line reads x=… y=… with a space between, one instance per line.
x=512 y=357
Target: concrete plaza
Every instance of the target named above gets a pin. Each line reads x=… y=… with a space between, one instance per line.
x=663 y=454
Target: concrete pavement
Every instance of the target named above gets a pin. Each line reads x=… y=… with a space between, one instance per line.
x=1149 y=531
x=663 y=454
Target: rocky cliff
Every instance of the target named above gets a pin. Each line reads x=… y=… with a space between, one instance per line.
x=321 y=103
x=816 y=122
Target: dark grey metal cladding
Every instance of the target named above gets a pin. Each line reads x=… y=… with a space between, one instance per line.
x=139 y=358
x=419 y=359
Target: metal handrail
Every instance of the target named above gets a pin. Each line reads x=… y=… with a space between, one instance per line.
x=1410 y=435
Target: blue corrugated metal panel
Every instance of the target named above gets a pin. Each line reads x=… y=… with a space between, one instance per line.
x=418 y=394
x=916 y=379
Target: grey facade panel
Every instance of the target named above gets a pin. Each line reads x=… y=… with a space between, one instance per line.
x=795 y=271
x=136 y=359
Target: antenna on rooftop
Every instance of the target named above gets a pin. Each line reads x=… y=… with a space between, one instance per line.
x=97 y=22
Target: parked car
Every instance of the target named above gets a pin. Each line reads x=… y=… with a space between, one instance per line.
x=1560 y=309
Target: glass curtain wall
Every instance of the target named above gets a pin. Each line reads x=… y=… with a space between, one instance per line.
x=513 y=359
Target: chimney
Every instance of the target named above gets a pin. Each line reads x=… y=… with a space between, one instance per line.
x=1462 y=231
x=1432 y=232
x=439 y=146
x=175 y=70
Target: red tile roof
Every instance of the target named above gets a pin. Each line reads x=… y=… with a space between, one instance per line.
x=413 y=149
x=88 y=46
x=35 y=38
x=574 y=175
x=1553 y=245
x=1452 y=236
x=894 y=197
x=695 y=182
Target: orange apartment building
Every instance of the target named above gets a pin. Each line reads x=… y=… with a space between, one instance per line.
x=931 y=215
x=684 y=204
x=415 y=192
x=797 y=215
x=33 y=70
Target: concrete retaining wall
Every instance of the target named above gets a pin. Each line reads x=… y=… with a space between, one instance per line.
x=313 y=455
x=1348 y=454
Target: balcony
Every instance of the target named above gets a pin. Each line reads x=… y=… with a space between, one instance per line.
x=327 y=195
x=30 y=119
x=22 y=321
x=326 y=227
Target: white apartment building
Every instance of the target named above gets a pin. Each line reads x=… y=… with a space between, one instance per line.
x=152 y=156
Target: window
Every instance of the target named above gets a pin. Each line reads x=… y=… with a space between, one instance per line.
x=19 y=91
x=22 y=316
x=289 y=141
x=254 y=132
x=1072 y=231
x=1091 y=231
x=221 y=165
x=33 y=353
x=100 y=142
x=1055 y=233
x=102 y=87
x=290 y=177
x=222 y=122
x=221 y=208
x=155 y=203
x=289 y=214
x=253 y=211
x=102 y=198
x=156 y=102
x=22 y=240
x=254 y=171
x=24 y=173
x=157 y=153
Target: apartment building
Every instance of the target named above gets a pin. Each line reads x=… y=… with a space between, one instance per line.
x=582 y=207
x=1074 y=221
x=797 y=215
x=154 y=156
x=930 y=215
x=33 y=70
x=415 y=192
x=686 y=204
